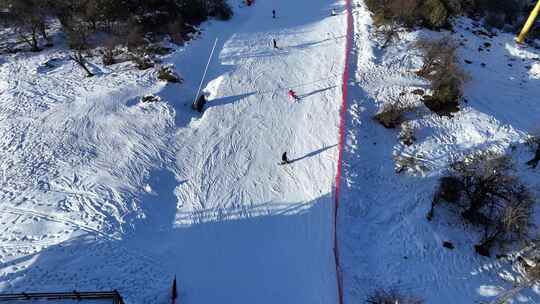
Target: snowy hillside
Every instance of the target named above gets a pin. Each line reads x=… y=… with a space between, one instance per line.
x=387 y=241
x=100 y=191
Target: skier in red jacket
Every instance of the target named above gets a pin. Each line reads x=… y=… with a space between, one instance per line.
x=293 y=96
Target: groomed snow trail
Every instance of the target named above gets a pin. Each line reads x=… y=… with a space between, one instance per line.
x=135 y=194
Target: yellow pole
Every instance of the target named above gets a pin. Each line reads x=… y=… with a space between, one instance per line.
x=529 y=23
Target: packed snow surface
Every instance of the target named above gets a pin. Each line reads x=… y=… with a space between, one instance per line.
x=99 y=191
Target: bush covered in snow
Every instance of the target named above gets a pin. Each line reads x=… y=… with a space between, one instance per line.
x=167 y=73
x=142 y=61
x=406 y=135
x=414 y=163
x=484 y=189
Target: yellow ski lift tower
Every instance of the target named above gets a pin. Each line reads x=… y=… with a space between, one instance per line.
x=529 y=23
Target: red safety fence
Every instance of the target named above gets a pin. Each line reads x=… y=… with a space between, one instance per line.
x=342 y=125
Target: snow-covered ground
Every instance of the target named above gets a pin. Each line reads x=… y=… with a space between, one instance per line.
x=386 y=240
x=100 y=192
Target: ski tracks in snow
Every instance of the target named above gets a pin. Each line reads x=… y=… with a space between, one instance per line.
x=76 y=154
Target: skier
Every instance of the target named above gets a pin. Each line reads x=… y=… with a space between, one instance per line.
x=274 y=14
x=275 y=43
x=249 y=2
x=292 y=95
x=198 y=105
x=333 y=12
x=284 y=159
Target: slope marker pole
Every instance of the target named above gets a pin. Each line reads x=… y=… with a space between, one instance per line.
x=205 y=71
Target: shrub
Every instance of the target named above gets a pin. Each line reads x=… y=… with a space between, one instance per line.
x=446 y=96
x=456 y=7
x=529 y=263
x=447 y=78
x=388 y=33
x=508 y=10
x=220 y=10
x=135 y=38
x=435 y=14
x=494 y=20
x=108 y=57
x=391 y=114
x=194 y=11
x=167 y=73
x=395 y=11
x=158 y=49
x=449 y=190
x=131 y=20
x=413 y=163
x=150 y=99
x=406 y=135
x=178 y=30
x=487 y=194
x=142 y=60
x=430 y=13
x=534 y=142
x=391 y=296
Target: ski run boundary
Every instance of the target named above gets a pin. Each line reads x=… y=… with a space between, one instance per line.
x=341 y=143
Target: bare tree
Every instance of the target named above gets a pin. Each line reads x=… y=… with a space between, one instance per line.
x=388 y=33
x=30 y=21
x=78 y=37
x=484 y=188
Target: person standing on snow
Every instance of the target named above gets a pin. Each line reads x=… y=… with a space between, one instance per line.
x=275 y=43
x=284 y=159
x=292 y=95
x=198 y=105
x=274 y=14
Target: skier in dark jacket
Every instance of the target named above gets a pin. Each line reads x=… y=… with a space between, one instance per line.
x=198 y=105
x=284 y=159
x=275 y=43
x=274 y=14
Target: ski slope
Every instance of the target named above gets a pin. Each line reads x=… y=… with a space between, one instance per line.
x=386 y=240
x=99 y=191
